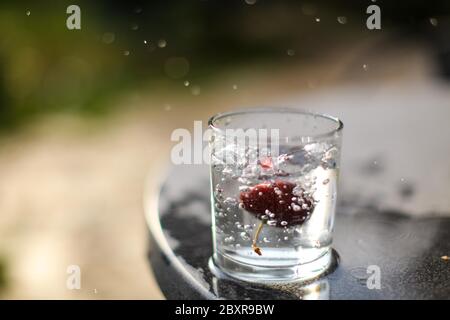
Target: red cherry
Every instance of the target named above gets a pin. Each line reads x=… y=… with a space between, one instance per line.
x=276 y=201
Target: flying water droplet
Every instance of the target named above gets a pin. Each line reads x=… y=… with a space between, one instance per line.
x=195 y=90
x=28 y=13
x=290 y=52
x=108 y=37
x=342 y=20
x=434 y=22
x=186 y=83
x=162 y=43
x=317 y=19
x=126 y=53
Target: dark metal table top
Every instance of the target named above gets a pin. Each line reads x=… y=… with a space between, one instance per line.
x=393 y=213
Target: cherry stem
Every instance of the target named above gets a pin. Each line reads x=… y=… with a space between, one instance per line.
x=255 y=239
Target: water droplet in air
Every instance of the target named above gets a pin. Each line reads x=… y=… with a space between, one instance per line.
x=28 y=13
x=108 y=37
x=195 y=90
x=317 y=19
x=162 y=43
x=250 y=2
x=126 y=53
x=283 y=223
x=167 y=107
x=286 y=238
x=235 y=87
x=138 y=10
x=134 y=27
x=266 y=240
x=342 y=20
x=291 y=52
x=434 y=22
x=186 y=83
x=365 y=67
x=326 y=181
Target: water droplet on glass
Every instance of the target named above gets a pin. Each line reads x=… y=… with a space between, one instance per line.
x=434 y=22
x=342 y=20
x=162 y=43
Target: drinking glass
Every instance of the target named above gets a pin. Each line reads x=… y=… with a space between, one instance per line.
x=274 y=174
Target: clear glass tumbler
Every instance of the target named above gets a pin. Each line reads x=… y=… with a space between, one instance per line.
x=274 y=175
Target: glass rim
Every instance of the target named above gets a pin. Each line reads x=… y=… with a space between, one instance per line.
x=278 y=110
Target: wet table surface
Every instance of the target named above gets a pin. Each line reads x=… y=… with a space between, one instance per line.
x=393 y=212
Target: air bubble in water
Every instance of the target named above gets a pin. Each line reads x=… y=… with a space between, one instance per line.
x=229 y=239
x=245 y=236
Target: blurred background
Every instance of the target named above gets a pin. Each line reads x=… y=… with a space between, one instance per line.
x=86 y=115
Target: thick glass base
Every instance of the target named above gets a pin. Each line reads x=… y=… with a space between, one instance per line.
x=269 y=274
